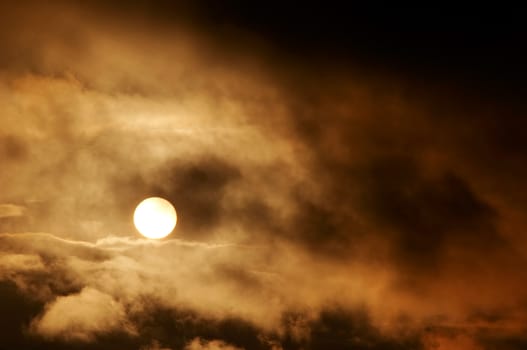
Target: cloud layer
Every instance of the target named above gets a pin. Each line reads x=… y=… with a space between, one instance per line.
x=321 y=205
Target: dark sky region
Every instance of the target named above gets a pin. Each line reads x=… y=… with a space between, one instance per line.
x=345 y=177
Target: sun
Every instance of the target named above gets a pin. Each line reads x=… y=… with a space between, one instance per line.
x=155 y=217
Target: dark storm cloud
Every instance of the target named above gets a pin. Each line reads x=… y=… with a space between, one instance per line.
x=426 y=214
x=484 y=44
x=505 y=343
x=175 y=329
x=197 y=189
x=335 y=328
x=21 y=310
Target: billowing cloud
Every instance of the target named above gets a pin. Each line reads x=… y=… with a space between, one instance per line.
x=82 y=317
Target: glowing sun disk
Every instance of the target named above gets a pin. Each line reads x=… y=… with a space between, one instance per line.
x=155 y=217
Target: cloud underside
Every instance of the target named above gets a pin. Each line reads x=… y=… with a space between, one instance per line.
x=165 y=294
x=327 y=208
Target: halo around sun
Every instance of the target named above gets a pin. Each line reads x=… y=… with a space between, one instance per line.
x=155 y=218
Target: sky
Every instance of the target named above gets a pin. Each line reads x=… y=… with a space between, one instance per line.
x=344 y=177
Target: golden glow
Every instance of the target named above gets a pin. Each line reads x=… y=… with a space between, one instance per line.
x=155 y=217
